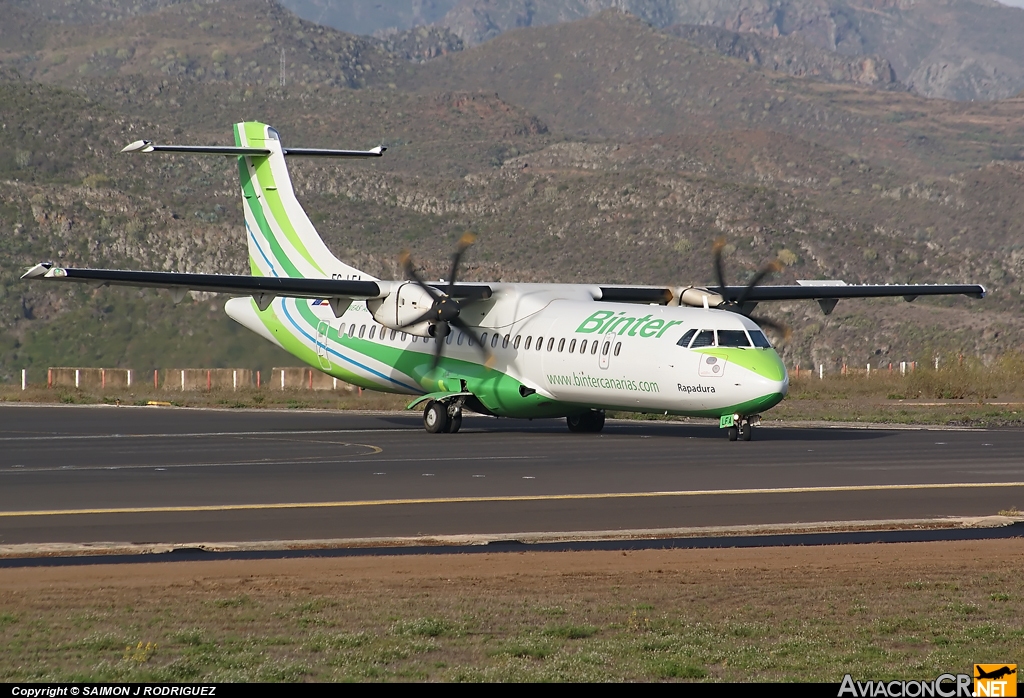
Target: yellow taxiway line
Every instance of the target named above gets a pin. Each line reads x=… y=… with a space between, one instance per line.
x=507 y=498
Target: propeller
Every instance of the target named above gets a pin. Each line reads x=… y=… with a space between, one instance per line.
x=737 y=305
x=444 y=312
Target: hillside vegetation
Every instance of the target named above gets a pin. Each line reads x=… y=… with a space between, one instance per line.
x=601 y=150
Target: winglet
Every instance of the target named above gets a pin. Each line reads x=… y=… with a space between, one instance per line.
x=138 y=147
x=37 y=271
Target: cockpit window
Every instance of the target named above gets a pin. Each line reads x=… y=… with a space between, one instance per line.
x=733 y=338
x=760 y=341
x=684 y=341
x=706 y=338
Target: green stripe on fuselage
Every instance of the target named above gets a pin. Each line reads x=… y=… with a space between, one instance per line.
x=764 y=362
x=277 y=254
x=268 y=185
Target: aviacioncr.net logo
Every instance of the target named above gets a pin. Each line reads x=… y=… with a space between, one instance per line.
x=945 y=686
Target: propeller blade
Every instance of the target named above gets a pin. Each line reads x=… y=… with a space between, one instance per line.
x=444 y=311
x=465 y=242
x=405 y=259
x=773 y=267
x=779 y=327
x=441 y=331
x=719 y=269
x=458 y=322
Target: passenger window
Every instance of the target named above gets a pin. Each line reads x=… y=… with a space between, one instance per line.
x=760 y=341
x=373 y=331
x=362 y=331
x=604 y=350
x=394 y=333
x=469 y=339
x=551 y=344
x=351 y=330
x=413 y=338
x=583 y=347
x=526 y=347
x=706 y=338
x=684 y=341
x=733 y=338
x=403 y=336
x=483 y=339
x=459 y=340
x=561 y=344
x=540 y=343
x=494 y=340
x=515 y=344
x=593 y=347
x=618 y=348
x=448 y=339
x=572 y=346
x=504 y=342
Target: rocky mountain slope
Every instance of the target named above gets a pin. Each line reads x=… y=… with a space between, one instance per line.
x=792 y=56
x=601 y=150
x=952 y=49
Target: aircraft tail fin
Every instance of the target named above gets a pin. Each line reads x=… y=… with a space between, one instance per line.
x=282 y=240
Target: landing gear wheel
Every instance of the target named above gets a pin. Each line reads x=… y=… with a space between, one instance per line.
x=746 y=431
x=454 y=423
x=733 y=433
x=435 y=417
x=587 y=423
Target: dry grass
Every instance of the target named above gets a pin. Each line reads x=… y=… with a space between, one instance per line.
x=249 y=398
x=783 y=614
x=967 y=394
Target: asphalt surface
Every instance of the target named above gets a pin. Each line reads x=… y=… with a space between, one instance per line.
x=163 y=475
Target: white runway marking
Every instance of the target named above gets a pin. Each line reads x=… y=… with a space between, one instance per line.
x=291 y=461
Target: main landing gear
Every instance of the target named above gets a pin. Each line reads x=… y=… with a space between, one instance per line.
x=443 y=417
x=587 y=423
x=743 y=428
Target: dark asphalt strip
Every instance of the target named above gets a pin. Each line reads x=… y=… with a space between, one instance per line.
x=1015 y=530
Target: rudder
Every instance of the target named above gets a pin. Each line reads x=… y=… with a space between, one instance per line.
x=282 y=240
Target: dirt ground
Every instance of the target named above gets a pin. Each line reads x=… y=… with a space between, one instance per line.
x=801 y=613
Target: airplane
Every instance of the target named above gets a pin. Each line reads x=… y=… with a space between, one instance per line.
x=517 y=350
x=994 y=674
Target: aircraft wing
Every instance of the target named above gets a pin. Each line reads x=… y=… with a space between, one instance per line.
x=816 y=291
x=826 y=293
x=263 y=289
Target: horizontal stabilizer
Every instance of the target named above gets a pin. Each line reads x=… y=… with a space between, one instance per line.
x=151 y=147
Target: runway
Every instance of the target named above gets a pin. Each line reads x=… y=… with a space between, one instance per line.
x=167 y=475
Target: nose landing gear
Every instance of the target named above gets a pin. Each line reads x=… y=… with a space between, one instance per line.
x=743 y=428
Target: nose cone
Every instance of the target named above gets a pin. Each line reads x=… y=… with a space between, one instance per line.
x=770 y=381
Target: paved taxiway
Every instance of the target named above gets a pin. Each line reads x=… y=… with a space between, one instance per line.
x=87 y=474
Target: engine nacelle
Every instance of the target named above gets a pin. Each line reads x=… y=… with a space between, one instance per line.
x=401 y=307
x=694 y=296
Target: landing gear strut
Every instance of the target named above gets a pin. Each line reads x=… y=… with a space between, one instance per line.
x=442 y=417
x=587 y=423
x=743 y=428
